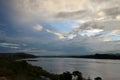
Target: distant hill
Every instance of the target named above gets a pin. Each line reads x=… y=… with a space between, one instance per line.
x=94 y=56
x=102 y=56
x=16 y=55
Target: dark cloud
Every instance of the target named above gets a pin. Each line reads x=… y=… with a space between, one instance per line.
x=74 y=14
x=112 y=12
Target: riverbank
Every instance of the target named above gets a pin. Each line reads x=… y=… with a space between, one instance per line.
x=14 y=69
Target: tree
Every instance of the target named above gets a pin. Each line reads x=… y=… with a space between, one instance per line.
x=79 y=74
x=66 y=76
x=98 y=78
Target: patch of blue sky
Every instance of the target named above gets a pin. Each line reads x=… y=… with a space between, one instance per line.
x=115 y=38
x=106 y=34
x=112 y=37
x=64 y=26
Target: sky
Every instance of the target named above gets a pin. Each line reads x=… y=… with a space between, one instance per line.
x=60 y=27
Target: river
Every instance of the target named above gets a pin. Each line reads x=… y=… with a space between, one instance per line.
x=107 y=69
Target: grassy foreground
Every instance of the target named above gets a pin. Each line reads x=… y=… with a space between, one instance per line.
x=21 y=70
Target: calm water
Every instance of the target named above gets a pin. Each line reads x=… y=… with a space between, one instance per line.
x=107 y=69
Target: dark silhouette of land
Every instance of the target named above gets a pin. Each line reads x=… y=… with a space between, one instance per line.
x=102 y=56
x=94 y=56
x=24 y=55
x=12 y=67
x=19 y=55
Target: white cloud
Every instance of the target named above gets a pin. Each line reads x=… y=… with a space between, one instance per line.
x=90 y=33
x=7 y=44
x=38 y=27
x=71 y=36
x=10 y=45
x=59 y=35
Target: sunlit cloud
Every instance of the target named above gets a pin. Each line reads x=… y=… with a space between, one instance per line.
x=90 y=33
x=101 y=14
x=106 y=39
x=118 y=17
x=38 y=27
x=67 y=8
x=47 y=9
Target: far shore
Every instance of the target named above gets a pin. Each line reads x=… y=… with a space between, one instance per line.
x=94 y=56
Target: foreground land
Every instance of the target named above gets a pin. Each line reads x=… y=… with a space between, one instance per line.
x=12 y=68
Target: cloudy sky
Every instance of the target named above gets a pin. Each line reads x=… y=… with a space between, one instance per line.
x=60 y=27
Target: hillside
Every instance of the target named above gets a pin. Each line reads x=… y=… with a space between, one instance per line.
x=16 y=55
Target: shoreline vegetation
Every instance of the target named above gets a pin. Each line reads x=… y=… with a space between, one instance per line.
x=13 y=69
